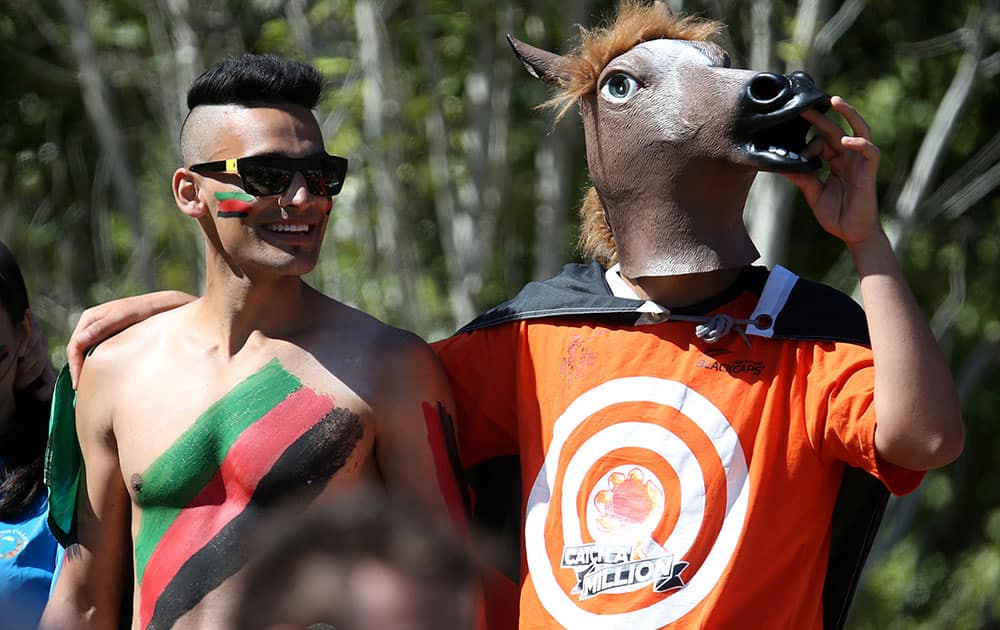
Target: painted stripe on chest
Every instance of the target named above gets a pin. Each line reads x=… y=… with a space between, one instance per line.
x=203 y=447
x=312 y=459
x=228 y=492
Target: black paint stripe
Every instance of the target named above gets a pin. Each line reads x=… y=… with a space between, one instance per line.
x=451 y=447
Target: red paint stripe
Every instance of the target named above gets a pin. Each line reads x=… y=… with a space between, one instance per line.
x=234 y=205
x=229 y=491
x=442 y=465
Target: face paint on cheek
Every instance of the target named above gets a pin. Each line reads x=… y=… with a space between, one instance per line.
x=234 y=205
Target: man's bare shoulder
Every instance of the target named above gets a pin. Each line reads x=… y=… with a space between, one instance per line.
x=131 y=342
x=117 y=353
x=345 y=338
x=123 y=362
x=335 y=319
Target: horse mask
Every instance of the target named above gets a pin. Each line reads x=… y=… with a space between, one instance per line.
x=674 y=139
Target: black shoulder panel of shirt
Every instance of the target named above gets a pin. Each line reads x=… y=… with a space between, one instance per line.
x=813 y=311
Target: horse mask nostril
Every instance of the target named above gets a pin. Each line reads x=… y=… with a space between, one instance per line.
x=766 y=91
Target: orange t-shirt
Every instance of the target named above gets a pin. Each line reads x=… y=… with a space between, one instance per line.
x=668 y=482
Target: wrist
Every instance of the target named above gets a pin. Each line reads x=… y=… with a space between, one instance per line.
x=874 y=240
x=872 y=253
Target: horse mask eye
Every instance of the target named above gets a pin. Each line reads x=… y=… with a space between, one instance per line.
x=619 y=87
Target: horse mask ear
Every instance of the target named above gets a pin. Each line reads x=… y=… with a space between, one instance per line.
x=541 y=64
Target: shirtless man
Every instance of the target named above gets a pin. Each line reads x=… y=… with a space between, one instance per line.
x=194 y=422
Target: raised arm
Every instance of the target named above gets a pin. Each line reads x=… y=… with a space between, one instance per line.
x=104 y=320
x=414 y=441
x=917 y=409
x=89 y=590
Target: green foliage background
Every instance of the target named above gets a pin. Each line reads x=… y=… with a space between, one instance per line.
x=82 y=238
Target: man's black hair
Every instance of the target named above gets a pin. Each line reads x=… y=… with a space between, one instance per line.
x=252 y=79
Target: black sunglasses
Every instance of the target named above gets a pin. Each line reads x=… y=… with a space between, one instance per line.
x=266 y=175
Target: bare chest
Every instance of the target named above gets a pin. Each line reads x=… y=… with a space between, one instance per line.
x=267 y=436
x=202 y=468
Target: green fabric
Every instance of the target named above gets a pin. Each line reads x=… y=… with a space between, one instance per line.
x=63 y=461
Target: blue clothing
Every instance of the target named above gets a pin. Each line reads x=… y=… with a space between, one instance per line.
x=29 y=557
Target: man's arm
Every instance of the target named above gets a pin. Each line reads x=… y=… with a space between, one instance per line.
x=104 y=320
x=917 y=411
x=90 y=585
x=414 y=442
x=918 y=415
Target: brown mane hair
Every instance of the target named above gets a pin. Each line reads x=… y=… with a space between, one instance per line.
x=635 y=22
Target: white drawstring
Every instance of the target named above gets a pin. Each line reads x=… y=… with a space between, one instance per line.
x=713 y=328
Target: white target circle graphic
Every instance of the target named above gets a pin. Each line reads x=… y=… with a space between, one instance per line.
x=655 y=438
x=672 y=449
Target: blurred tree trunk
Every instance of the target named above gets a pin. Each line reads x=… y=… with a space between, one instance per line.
x=102 y=114
x=949 y=110
x=177 y=46
x=553 y=177
x=554 y=168
x=485 y=139
x=467 y=205
x=394 y=257
x=295 y=13
x=770 y=195
x=451 y=231
x=971 y=182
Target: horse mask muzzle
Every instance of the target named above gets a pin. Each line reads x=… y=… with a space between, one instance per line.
x=770 y=129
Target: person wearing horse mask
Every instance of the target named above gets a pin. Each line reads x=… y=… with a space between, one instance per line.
x=700 y=442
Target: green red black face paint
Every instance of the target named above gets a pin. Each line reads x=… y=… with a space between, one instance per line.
x=234 y=205
x=444 y=448
x=237 y=205
x=270 y=436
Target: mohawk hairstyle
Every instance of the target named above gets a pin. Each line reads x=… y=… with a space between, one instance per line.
x=635 y=22
x=257 y=79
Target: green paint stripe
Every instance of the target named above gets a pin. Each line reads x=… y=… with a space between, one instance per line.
x=239 y=196
x=184 y=469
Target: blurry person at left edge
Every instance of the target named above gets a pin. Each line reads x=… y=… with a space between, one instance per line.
x=29 y=554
